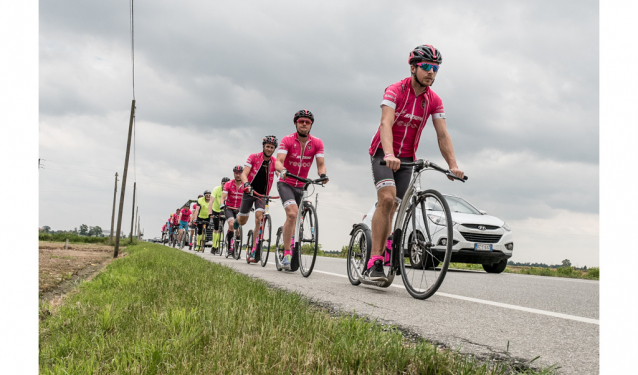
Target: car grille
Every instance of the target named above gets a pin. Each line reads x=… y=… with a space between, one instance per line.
x=481 y=237
x=476 y=226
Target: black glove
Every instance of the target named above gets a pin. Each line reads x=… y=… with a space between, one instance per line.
x=247 y=188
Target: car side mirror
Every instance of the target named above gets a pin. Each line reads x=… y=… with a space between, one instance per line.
x=483 y=212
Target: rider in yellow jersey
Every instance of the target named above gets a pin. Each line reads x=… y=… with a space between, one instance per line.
x=214 y=210
x=201 y=213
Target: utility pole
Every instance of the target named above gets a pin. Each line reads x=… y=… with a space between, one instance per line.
x=133 y=213
x=139 y=234
x=137 y=219
x=128 y=149
x=113 y=214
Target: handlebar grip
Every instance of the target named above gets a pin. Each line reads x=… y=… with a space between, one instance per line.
x=382 y=162
x=296 y=177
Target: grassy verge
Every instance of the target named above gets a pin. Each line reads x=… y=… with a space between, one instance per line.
x=74 y=238
x=570 y=272
x=591 y=274
x=159 y=310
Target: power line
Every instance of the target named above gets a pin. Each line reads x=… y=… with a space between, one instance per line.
x=144 y=175
x=78 y=165
x=69 y=191
x=76 y=171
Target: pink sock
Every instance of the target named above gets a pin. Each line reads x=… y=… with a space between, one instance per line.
x=288 y=252
x=372 y=259
x=388 y=249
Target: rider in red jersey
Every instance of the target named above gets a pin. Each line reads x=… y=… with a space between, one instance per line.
x=258 y=175
x=184 y=219
x=296 y=153
x=231 y=201
x=192 y=225
x=405 y=108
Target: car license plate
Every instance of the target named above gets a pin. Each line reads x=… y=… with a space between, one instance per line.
x=483 y=246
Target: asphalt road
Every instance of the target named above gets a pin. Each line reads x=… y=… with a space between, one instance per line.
x=555 y=319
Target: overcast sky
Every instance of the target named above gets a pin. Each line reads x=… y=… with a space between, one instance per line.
x=519 y=82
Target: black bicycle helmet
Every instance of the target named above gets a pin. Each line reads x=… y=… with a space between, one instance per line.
x=238 y=168
x=207 y=192
x=225 y=180
x=425 y=53
x=304 y=113
x=270 y=139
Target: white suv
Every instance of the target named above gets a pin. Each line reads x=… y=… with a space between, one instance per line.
x=478 y=238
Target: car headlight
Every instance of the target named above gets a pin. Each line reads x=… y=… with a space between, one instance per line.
x=439 y=220
x=507 y=227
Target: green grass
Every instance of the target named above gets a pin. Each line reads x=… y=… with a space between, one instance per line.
x=162 y=311
x=591 y=274
x=570 y=272
x=74 y=238
x=466 y=266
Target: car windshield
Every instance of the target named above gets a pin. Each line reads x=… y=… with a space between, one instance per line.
x=456 y=205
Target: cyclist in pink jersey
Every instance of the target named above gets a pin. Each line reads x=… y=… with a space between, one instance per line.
x=258 y=175
x=184 y=219
x=231 y=201
x=296 y=153
x=169 y=227
x=405 y=108
x=163 y=232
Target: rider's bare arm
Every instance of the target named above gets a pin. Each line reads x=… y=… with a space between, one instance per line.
x=224 y=196
x=279 y=164
x=321 y=168
x=196 y=213
x=445 y=145
x=244 y=174
x=387 y=118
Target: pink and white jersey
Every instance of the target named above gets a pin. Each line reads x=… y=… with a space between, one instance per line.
x=185 y=214
x=254 y=162
x=298 y=161
x=411 y=113
x=233 y=200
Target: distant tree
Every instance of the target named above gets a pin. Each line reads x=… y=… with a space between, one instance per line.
x=95 y=231
x=585 y=268
x=84 y=230
x=46 y=229
x=567 y=263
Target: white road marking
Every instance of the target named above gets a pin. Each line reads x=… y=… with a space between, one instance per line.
x=497 y=304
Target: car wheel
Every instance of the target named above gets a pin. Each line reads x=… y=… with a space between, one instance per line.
x=416 y=254
x=496 y=267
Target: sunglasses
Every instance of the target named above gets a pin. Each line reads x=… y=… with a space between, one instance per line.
x=207 y=195
x=427 y=67
x=303 y=122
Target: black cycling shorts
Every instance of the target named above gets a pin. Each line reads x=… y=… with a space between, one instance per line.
x=247 y=201
x=384 y=176
x=231 y=213
x=216 y=218
x=289 y=194
x=200 y=225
